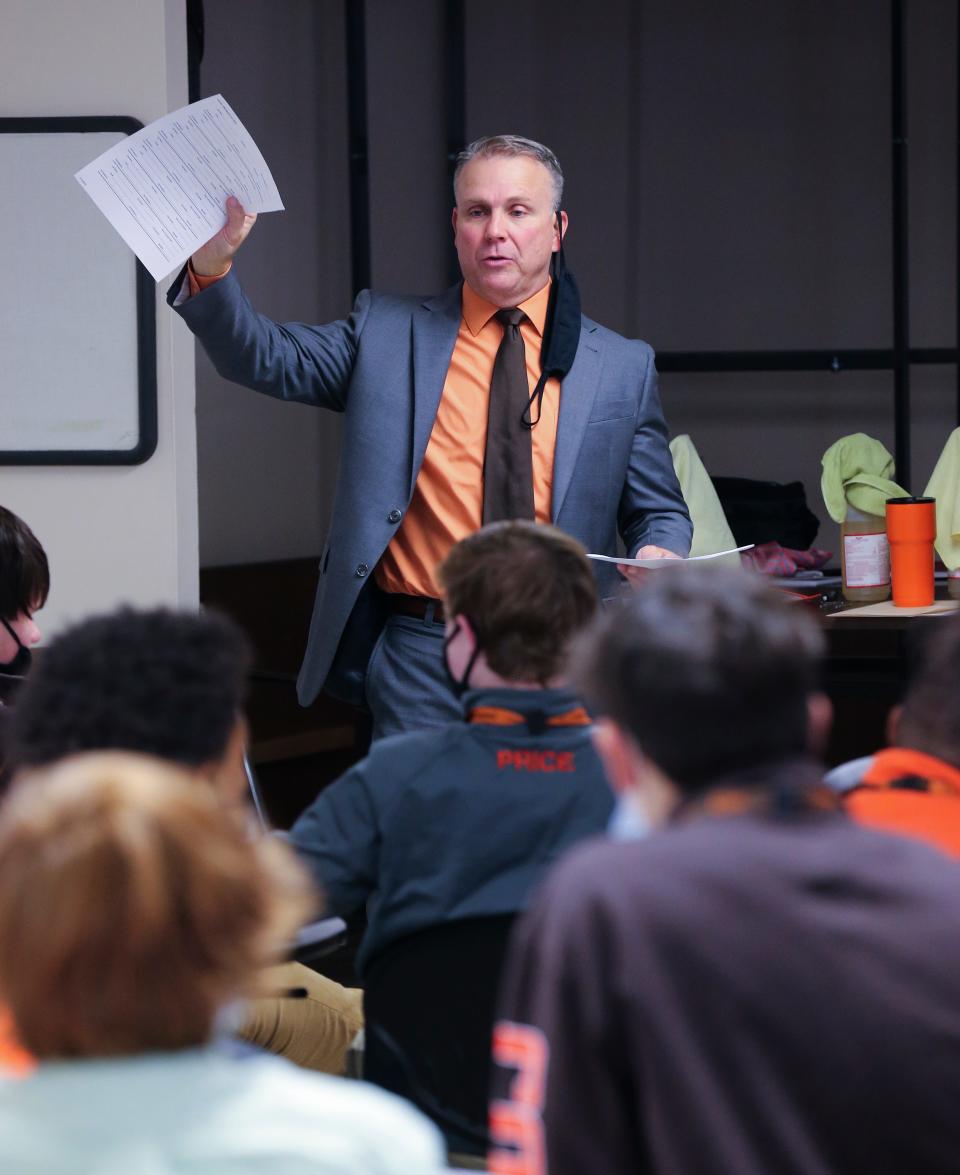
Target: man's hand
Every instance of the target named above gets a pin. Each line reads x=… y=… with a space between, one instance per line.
x=636 y=575
x=213 y=258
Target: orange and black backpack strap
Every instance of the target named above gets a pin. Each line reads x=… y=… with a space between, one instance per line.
x=535 y=719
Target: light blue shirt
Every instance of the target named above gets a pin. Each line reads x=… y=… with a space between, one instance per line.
x=201 y=1112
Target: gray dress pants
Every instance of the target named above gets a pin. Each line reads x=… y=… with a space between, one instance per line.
x=407 y=686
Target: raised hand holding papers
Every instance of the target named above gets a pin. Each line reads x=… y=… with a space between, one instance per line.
x=655 y=563
x=165 y=188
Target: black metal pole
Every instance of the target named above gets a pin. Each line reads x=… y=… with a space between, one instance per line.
x=835 y=360
x=456 y=90
x=195 y=33
x=357 y=144
x=901 y=256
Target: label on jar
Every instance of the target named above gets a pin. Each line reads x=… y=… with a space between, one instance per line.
x=866 y=559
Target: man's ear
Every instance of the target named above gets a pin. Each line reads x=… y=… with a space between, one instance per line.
x=819 y=722
x=228 y=773
x=618 y=753
x=466 y=629
x=558 y=235
x=453 y=220
x=460 y=643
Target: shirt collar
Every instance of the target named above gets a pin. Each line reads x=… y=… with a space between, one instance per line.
x=892 y=764
x=550 y=700
x=780 y=787
x=477 y=311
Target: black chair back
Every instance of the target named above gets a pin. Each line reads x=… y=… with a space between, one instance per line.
x=429 y=1004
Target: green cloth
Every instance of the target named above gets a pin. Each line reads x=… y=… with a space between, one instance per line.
x=944 y=485
x=857 y=472
x=711 y=531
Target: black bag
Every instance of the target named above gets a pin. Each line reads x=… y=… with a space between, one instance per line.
x=767 y=512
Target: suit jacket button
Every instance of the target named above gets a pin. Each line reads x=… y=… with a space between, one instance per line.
x=361 y=571
x=394 y=516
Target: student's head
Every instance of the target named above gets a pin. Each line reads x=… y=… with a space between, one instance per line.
x=131 y=908
x=24 y=586
x=702 y=673
x=929 y=719
x=157 y=682
x=515 y=594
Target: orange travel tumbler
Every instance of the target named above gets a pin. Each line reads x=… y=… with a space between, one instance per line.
x=911 y=529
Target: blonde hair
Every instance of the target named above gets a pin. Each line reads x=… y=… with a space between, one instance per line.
x=132 y=907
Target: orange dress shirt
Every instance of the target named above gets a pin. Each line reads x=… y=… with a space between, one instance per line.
x=447 y=502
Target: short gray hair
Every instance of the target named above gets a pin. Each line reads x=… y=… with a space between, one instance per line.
x=513 y=145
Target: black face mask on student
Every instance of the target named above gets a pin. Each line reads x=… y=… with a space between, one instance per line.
x=462 y=684
x=19 y=664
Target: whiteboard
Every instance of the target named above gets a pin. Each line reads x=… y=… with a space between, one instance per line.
x=78 y=378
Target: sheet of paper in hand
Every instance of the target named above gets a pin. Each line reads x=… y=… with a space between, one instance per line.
x=165 y=188
x=658 y=563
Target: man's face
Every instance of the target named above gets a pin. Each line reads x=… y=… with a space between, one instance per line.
x=504 y=227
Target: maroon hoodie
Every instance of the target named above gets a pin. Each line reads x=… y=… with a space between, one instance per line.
x=762 y=993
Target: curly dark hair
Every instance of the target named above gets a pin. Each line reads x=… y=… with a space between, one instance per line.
x=24 y=572
x=159 y=682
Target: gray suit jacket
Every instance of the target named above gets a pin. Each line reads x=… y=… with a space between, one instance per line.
x=384 y=367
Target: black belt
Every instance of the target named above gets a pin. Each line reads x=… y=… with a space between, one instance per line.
x=415 y=606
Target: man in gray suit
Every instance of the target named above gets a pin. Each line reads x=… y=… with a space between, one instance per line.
x=412 y=377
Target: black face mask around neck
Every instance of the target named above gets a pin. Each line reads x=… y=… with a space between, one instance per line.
x=19 y=664
x=561 y=332
x=459 y=686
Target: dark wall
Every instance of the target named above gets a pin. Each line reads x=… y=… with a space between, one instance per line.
x=728 y=170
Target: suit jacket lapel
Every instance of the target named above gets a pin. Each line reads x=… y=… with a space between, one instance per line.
x=434 y=326
x=577 y=393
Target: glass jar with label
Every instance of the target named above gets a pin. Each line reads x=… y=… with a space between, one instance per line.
x=864 y=558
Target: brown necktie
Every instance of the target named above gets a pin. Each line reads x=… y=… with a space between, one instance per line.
x=508 y=459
